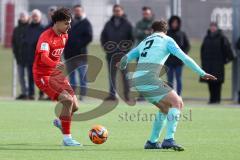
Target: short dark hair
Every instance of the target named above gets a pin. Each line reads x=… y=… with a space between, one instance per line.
x=160 y=26
x=214 y=24
x=77 y=6
x=145 y=8
x=61 y=14
x=117 y=6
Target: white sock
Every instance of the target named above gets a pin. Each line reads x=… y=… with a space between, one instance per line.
x=67 y=136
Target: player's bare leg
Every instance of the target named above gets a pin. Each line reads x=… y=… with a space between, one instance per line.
x=158 y=125
x=75 y=104
x=170 y=108
x=65 y=118
x=173 y=106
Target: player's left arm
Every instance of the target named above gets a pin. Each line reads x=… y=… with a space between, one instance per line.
x=174 y=49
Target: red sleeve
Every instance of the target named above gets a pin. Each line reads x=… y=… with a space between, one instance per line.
x=46 y=60
x=44 y=53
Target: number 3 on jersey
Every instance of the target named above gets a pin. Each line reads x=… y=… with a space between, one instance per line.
x=148 y=45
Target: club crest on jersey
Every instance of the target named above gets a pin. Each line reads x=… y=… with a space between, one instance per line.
x=57 y=52
x=44 y=47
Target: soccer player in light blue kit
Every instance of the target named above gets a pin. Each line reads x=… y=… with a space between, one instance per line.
x=152 y=53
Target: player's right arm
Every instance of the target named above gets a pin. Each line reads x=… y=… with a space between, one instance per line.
x=174 y=49
x=133 y=54
x=44 y=54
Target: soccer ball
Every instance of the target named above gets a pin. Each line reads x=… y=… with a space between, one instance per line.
x=98 y=134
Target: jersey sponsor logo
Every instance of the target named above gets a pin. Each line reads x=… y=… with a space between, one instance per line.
x=44 y=47
x=57 y=52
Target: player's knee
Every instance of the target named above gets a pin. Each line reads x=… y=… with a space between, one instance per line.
x=67 y=99
x=182 y=104
x=164 y=110
x=177 y=103
x=75 y=109
x=75 y=105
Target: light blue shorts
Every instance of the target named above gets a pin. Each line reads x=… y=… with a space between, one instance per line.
x=154 y=93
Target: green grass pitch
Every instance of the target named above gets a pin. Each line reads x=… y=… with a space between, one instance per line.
x=207 y=132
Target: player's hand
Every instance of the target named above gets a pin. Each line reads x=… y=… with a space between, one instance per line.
x=60 y=66
x=209 y=77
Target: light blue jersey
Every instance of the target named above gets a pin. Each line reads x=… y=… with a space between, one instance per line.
x=153 y=49
x=152 y=53
x=156 y=48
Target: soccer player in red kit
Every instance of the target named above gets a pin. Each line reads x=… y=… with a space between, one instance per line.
x=48 y=71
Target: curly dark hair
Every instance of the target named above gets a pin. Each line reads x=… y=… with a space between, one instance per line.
x=61 y=14
x=160 y=26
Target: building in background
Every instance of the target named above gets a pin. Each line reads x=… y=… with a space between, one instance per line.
x=196 y=14
x=9 y=14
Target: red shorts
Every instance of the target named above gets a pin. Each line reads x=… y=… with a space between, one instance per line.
x=53 y=85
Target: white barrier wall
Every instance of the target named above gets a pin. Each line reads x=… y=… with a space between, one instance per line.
x=19 y=6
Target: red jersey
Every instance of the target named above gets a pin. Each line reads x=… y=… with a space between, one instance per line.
x=53 y=44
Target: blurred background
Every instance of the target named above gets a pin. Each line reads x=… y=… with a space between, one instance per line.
x=196 y=16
